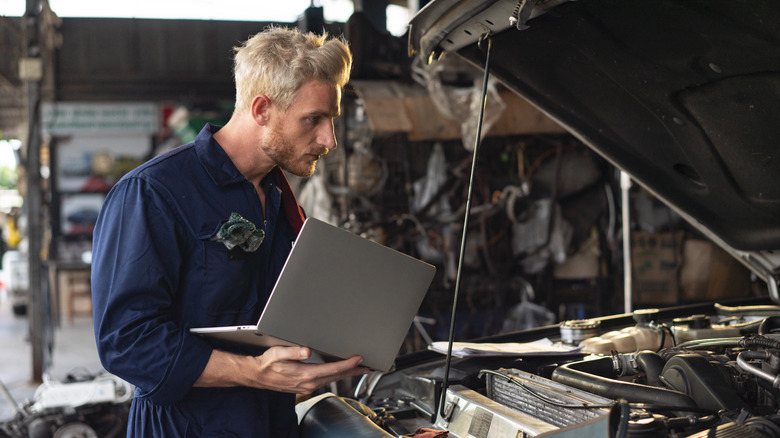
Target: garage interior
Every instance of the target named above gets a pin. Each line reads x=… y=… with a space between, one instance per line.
x=87 y=99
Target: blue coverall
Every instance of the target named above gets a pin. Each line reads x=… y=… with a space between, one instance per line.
x=156 y=273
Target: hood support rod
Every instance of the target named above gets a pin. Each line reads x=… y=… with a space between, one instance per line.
x=485 y=40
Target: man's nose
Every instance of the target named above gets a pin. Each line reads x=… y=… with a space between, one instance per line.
x=327 y=136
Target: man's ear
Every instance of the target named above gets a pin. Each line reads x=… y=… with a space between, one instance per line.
x=261 y=109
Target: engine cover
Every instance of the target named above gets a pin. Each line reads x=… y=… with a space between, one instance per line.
x=703 y=380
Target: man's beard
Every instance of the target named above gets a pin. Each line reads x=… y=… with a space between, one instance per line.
x=282 y=151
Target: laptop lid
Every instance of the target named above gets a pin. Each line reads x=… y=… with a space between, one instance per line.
x=342 y=295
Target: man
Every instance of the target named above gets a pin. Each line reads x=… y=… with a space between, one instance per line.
x=198 y=236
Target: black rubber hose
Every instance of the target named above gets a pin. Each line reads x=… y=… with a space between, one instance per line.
x=759 y=341
x=588 y=376
x=653 y=365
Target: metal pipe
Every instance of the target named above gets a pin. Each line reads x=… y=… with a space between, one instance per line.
x=625 y=186
x=742 y=363
x=709 y=343
x=10 y=398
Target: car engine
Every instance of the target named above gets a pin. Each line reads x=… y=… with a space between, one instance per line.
x=85 y=405
x=713 y=372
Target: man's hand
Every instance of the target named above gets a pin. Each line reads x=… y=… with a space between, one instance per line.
x=278 y=369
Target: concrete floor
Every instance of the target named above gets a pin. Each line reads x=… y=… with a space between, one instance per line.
x=74 y=352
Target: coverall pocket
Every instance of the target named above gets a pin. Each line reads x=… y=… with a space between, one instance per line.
x=229 y=283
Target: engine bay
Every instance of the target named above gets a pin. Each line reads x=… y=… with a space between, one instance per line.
x=684 y=372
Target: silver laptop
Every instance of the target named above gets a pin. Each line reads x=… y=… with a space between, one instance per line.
x=340 y=295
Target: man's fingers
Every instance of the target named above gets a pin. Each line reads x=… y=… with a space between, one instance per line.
x=340 y=367
x=343 y=369
x=285 y=371
x=288 y=353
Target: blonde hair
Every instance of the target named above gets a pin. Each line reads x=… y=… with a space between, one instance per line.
x=278 y=60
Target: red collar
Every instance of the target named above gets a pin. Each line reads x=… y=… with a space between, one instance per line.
x=290 y=205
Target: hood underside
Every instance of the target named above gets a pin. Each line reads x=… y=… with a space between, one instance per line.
x=682 y=95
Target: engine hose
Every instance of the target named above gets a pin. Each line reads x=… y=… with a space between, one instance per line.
x=587 y=375
x=745 y=356
x=681 y=422
x=759 y=341
x=652 y=364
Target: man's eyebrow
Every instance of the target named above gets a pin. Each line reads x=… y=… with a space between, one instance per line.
x=328 y=114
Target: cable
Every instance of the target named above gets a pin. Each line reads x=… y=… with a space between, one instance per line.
x=663 y=340
x=671 y=333
x=664 y=329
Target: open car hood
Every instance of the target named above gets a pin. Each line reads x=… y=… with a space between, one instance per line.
x=684 y=96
